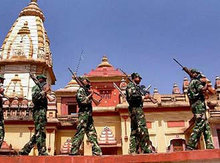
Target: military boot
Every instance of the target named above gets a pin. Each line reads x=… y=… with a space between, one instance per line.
x=189 y=148
x=43 y=154
x=210 y=146
x=22 y=152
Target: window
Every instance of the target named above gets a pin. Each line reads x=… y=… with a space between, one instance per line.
x=71 y=109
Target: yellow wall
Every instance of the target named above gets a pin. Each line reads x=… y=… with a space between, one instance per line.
x=61 y=137
x=19 y=135
x=113 y=122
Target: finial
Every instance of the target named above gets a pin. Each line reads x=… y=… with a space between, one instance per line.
x=156 y=91
x=176 y=89
x=34 y=1
x=105 y=62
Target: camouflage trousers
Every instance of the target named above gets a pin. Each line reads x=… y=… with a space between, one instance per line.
x=39 y=137
x=2 y=128
x=139 y=137
x=85 y=126
x=201 y=127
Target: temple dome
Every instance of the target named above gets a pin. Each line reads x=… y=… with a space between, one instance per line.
x=72 y=85
x=27 y=39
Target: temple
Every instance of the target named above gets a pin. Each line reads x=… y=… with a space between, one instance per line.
x=26 y=49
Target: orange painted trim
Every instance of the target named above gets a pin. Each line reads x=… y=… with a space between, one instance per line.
x=149 y=125
x=67 y=127
x=165 y=109
x=171 y=124
x=105 y=114
x=186 y=156
x=16 y=122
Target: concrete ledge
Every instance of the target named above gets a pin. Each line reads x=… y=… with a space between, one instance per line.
x=207 y=156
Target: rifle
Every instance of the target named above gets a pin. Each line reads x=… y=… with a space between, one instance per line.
x=47 y=90
x=120 y=91
x=97 y=102
x=144 y=92
x=204 y=80
x=184 y=68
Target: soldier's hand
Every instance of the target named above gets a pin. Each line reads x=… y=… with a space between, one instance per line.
x=2 y=90
x=147 y=96
x=185 y=68
x=91 y=91
x=43 y=93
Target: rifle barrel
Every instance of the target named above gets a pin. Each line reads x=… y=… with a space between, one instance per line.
x=70 y=71
x=148 y=88
x=120 y=91
x=178 y=63
x=126 y=75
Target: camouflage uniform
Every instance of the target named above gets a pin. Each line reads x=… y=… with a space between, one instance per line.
x=198 y=106
x=2 y=128
x=40 y=119
x=139 y=137
x=85 y=124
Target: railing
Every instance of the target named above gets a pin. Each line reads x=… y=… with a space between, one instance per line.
x=17 y=112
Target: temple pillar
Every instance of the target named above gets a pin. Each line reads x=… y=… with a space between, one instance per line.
x=125 y=133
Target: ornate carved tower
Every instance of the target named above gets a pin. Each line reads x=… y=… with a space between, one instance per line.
x=26 y=49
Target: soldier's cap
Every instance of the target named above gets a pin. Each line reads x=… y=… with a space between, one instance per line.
x=41 y=77
x=195 y=71
x=2 y=77
x=135 y=75
x=82 y=78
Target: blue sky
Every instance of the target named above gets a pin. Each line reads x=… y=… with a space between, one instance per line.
x=137 y=35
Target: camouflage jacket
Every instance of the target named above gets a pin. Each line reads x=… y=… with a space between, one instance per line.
x=134 y=95
x=39 y=98
x=82 y=98
x=1 y=96
x=194 y=91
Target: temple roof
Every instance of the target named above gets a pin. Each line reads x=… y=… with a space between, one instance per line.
x=104 y=69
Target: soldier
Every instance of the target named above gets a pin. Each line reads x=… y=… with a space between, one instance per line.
x=39 y=98
x=139 y=137
x=85 y=122
x=2 y=129
x=195 y=92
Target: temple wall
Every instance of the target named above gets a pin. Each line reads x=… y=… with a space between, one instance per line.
x=61 y=138
x=162 y=128
x=19 y=135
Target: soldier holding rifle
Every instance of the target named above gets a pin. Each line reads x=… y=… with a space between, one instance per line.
x=39 y=98
x=85 y=125
x=197 y=89
x=139 y=137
